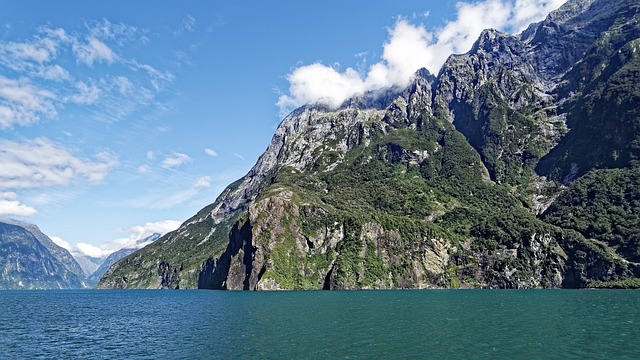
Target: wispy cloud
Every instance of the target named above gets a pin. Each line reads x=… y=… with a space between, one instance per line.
x=55 y=67
x=119 y=33
x=23 y=103
x=187 y=25
x=409 y=48
x=93 y=50
x=144 y=169
x=175 y=160
x=202 y=183
x=42 y=163
x=167 y=195
x=182 y=196
x=210 y=152
x=87 y=93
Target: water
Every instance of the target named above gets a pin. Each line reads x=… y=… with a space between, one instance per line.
x=432 y=324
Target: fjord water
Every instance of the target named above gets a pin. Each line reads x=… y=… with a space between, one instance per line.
x=430 y=324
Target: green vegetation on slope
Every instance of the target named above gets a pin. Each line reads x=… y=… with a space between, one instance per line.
x=604 y=205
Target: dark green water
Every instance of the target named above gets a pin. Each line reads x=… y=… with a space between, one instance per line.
x=432 y=324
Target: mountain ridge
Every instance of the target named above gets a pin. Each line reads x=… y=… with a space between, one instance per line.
x=402 y=190
x=30 y=260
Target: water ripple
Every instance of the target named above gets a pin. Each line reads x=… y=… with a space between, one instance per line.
x=473 y=324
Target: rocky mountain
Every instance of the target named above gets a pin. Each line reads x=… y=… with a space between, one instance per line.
x=88 y=264
x=60 y=253
x=114 y=257
x=30 y=260
x=515 y=167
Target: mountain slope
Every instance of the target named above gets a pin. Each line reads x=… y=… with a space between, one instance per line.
x=116 y=256
x=435 y=185
x=26 y=263
x=60 y=253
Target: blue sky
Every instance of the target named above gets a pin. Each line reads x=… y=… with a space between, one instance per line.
x=122 y=118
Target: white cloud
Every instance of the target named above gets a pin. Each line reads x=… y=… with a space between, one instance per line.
x=140 y=232
x=158 y=79
x=41 y=49
x=458 y=36
x=93 y=50
x=9 y=205
x=41 y=86
x=86 y=93
x=8 y=195
x=53 y=73
x=23 y=103
x=15 y=208
x=151 y=155
x=60 y=242
x=41 y=163
x=119 y=33
x=202 y=183
x=210 y=152
x=409 y=48
x=93 y=251
x=175 y=160
x=526 y=12
x=317 y=82
x=239 y=156
x=29 y=51
x=124 y=85
x=134 y=239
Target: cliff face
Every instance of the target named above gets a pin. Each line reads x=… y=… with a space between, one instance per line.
x=435 y=185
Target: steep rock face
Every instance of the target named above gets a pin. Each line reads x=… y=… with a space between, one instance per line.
x=600 y=97
x=496 y=98
x=435 y=185
x=25 y=263
x=560 y=41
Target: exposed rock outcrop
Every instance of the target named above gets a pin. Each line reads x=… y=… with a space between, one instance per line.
x=435 y=185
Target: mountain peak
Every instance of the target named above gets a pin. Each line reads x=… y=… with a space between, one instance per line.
x=434 y=185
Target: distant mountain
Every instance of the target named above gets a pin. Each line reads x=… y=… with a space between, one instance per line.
x=517 y=166
x=88 y=264
x=114 y=257
x=60 y=253
x=30 y=260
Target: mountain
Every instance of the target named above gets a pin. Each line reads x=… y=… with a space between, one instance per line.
x=60 y=253
x=30 y=260
x=515 y=167
x=88 y=264
x=114 y=257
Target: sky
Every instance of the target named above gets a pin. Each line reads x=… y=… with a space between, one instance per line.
x=119 y=119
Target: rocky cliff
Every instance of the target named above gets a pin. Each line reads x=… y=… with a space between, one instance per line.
x=456 y=181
